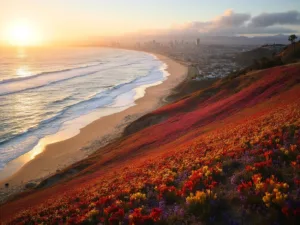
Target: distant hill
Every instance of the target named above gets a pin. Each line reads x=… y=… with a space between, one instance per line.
x=247 y=58
x=267 y=56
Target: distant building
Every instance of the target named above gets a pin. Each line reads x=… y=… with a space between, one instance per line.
x=198 y=42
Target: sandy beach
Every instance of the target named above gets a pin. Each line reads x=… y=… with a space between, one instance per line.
x=100 y=132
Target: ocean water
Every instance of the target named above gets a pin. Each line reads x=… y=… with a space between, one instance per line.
x=41 y=90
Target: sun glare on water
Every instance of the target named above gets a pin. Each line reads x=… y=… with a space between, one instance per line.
x=22 y=33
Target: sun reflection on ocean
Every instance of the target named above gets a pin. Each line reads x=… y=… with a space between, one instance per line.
x=23 y=71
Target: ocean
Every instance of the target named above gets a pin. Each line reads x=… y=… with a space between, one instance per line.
x=43 y=90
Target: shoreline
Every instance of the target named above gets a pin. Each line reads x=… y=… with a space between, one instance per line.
x=100 y=132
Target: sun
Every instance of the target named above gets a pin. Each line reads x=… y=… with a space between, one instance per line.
x=22 y=33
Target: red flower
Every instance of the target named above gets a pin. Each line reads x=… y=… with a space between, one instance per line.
x=285 y=210
x=212 y=185
x=297 y=211
x=267 y=154
x=243 y=186
x=263 y=164
x=187 y=186
x=155 y=214
x=297 y=181
x=249 y=168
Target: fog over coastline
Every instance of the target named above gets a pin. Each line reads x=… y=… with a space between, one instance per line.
x=229 y=28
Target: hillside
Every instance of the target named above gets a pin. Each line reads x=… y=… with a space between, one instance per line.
x=247 y=58
x=228 y=154
x=291 y=53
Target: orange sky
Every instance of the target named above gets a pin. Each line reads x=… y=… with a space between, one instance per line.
x=73 y=20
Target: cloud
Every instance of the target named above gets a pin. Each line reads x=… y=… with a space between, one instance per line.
x=270 y=19
x=232 y=19
x=232 y=23
x=227 y=20
x=253 y=30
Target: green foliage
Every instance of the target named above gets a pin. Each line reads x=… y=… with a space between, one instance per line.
x=171 y=198
x=293 y=38
x=265 y=63
x=201 y=210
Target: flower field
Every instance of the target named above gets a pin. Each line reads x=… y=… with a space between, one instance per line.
x=231 y=158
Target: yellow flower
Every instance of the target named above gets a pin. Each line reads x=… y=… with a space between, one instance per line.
x=92 y=205
x=267 y=197
x=285 y=185
x=220 y=170
x=207 y=173
x=276 y=197
x=286 y=152
x=92 y=213
x=211 y=194
x=138 y=196
x=259 y=186
x=200 y=197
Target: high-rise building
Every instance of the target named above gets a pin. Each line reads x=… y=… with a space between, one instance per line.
x=198 y=42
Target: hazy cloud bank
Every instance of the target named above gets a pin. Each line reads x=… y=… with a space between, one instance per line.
x=232 y=23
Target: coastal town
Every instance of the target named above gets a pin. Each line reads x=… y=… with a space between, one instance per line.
x=205 y=61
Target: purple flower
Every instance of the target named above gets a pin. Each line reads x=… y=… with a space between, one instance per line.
x=233 y=179
x=178 y=210
x=162 y=204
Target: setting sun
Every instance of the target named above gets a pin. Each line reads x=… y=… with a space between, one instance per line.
x=22 y=33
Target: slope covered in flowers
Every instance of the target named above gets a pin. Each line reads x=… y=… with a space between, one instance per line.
x=231 y=157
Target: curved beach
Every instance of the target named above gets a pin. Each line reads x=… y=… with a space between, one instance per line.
x=98 y=133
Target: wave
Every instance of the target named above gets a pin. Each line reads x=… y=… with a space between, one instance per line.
x=43 y=85
x=71 y=108
x=12 y=87
x=47 y=121
x=6 y=81
x=102 y=99
x=58 y=101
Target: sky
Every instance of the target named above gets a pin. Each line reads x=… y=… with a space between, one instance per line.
x=77 y=19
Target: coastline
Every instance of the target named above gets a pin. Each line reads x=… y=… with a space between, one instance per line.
x=100 y=132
